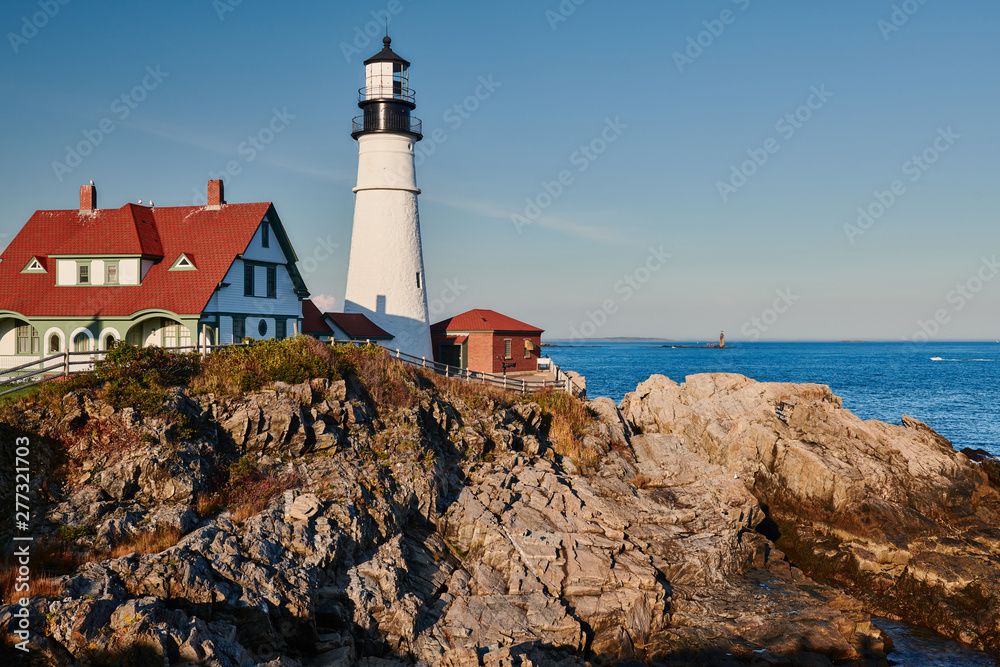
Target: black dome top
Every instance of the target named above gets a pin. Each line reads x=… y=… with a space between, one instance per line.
x=386 y=55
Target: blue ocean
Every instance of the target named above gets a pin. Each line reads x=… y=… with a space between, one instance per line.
x=954 y=387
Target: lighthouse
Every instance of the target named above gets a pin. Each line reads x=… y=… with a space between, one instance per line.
x=385 y=277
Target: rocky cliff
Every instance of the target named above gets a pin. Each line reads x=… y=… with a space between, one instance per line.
x=312 y=525
x=890 y=513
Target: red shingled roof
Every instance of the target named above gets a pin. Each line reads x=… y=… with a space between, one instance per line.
x=480 y=319
x=313 y=322
x=214 y=235
x=357 y=325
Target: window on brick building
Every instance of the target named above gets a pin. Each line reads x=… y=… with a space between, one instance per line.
x=506 y=349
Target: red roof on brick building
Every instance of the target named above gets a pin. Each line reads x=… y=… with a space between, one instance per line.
x=480 y=319
x=210 y=236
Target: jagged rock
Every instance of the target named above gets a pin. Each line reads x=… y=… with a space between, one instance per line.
x=121 y=481
x=891 y=512
x=302 y=507
x=619 y=432
x=173 y=476
x=118 y=527
x=177 y=517
x=434 y=534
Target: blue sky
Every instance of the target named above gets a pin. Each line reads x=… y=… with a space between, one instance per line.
x=713 y=156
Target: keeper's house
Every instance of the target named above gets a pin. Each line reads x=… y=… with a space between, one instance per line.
x=166 y=276
x=488 y=342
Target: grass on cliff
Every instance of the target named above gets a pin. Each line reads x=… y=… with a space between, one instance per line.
x=140 y=377
x=565 y=422
x=247 y=368
x=245 y=490
x=63 y=554
x=128 y=376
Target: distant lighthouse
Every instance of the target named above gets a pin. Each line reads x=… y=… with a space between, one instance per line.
x=385 y=277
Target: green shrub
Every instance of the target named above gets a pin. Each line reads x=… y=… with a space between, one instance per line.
x=246 y=368
x=139 y=376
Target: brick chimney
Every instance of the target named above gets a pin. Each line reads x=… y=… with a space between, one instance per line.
x=88 y=197
x=216 y=193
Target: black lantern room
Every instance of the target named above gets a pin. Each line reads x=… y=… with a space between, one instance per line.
x=386 y=98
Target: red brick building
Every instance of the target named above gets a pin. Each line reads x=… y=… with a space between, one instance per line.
x=486 y=341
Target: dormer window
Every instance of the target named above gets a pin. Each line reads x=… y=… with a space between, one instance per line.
x=111 y=273
x=83 y=273
x=183 y=263
x=34 y=266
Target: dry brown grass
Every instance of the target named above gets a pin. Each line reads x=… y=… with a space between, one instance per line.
x=51 y=559
x=568 y=419
x=147 y=542
x=390 y=384
x=476 y=396
x=247 y=492
x=38 y=586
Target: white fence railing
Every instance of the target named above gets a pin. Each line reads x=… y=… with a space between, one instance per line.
x=66 y=363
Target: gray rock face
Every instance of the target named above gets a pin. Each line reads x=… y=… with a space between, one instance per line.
x=439 y=534
x=892 y=513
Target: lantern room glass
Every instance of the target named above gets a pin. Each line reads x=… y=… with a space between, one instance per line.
x=387 y=80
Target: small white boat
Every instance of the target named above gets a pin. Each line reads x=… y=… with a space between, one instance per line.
x=936 y=359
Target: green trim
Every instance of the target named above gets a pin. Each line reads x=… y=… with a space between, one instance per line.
x=80 y=264
x=108 y=263
x=286 y=247
x=265 y=266
x=112 y=256
x=34 y=337
x=30 y=269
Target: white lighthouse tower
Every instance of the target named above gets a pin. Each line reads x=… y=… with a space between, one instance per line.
x=385 y=278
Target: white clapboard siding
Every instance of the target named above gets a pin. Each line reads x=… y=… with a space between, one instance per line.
x=231 y=300
x=257 y=252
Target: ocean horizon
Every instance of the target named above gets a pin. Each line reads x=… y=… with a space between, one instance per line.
x=949 y=385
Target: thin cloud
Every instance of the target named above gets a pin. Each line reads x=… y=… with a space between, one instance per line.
x=589 y=232
x=191 y=136
x=325 y=302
